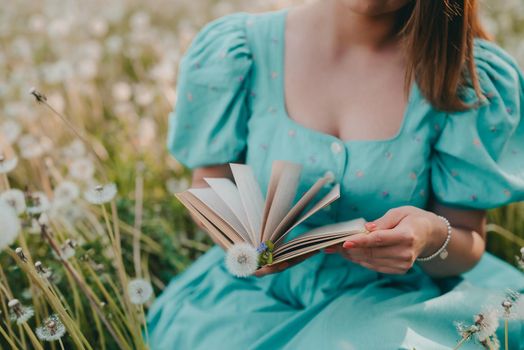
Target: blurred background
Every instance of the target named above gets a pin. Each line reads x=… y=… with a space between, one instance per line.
x=107 y=74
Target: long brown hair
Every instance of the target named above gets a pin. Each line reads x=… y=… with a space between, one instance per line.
x=438 y=37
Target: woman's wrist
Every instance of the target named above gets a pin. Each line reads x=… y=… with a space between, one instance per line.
x=437 y=236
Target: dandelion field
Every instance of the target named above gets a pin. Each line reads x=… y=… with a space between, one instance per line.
x=89 y=228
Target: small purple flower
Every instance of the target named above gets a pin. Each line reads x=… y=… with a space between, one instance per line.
x=262 y=247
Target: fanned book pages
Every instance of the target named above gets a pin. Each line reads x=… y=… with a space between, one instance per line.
x=252 y=228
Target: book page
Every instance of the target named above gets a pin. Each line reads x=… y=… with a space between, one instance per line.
x=309 y=249
x=283 y=199
x=326 y=200
x=228 y=192
x=276 y=170
x=215 y=203
x=298 y=208
x=211 y=216
x=215 y=234
x=250 y=194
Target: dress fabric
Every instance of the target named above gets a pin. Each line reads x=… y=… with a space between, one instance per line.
x=230 y=108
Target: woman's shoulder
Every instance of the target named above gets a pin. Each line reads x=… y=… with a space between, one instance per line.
x=497 y=68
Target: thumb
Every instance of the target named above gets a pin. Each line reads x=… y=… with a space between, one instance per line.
x=389 y=220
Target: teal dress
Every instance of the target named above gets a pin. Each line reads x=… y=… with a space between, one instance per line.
x=230 y=108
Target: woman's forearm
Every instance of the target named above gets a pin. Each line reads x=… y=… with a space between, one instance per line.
x=465 y=249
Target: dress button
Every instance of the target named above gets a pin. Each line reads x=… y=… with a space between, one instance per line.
x=336 y=147
x=330 y=175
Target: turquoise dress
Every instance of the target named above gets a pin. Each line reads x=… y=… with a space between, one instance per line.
x=230 y=108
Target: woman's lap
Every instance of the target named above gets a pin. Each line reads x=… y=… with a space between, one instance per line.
x=305 y=307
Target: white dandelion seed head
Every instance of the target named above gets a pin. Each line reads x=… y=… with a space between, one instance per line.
x=174 y=185
x=67 y=249
x=10 y=130
x=52 y=329
x=74 y=150
x=517 y=310
x=522 y=252
x=44 y=272
x=139 y=291
x=65 y=193
x=488 y=322
x=101 y=194
x=9 y=225
x=34 y=229
x=7 y=165
x=34 y=147
x=121 y=91
x=38 y=203
x=19 y=313
x=242 y=259
x=15 y=198
x=82 y=169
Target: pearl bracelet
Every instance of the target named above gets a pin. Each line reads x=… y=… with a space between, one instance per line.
x=442 y=250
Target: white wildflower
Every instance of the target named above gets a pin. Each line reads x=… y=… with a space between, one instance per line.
x=44 y=272
x=10 y=130
x=7 y=165
x=488 y=322
x=121 y=91
x=18 y=312
x=101 y=194
x=139 y=291
x=177 y=185
x=33 y=147
x=242 y=259
x=75 y=149
x=9 y=225
x=38 y=203
x=518 y=308
x=67 y=249
x=52 y=329
x=82 y=169
x=65 y=193
x=14 y=198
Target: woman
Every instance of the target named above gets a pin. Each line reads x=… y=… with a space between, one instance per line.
x=410 y=108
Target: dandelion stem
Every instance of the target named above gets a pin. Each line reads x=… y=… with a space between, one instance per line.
x=88 y=293
x=506 y=333
x=61 y=344
x=139 y=195
x=7 y=338
x=461 y=342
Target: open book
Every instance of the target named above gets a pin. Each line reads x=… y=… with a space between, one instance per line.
x=251 y=227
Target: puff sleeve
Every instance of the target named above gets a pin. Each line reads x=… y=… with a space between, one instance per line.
x=478 y=158
x=208 y=124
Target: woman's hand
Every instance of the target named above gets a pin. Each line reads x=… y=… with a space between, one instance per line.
x=396 y=240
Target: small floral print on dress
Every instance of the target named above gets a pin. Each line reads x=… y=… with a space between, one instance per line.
x=272 y=110
x=422 y=193
x=187 y=126
x=223 y=54
x=454 y=173
x=197 y=65
x=509 y=110
x=474 y=197
x=291 y=133
x=476 y=142
x=513 y=151
x=490 y=95
x=274 y=40
x=385 y=194
x=189 y=96
x=249 y=22
x=359 y=173
x=263 y=146
x=413 y=175
x=388 y=154
x=493 y=128
x=252 y=94
x=417 y=139
x=354 y=208
x=507 y=193
x=436 y=126
x=240 y=78
x=312 y=159
x=274 y=75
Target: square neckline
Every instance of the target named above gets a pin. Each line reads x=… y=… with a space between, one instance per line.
x=330 y=137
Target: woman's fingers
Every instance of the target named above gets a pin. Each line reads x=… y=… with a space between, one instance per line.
x=391 y=252
x=378 y=238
